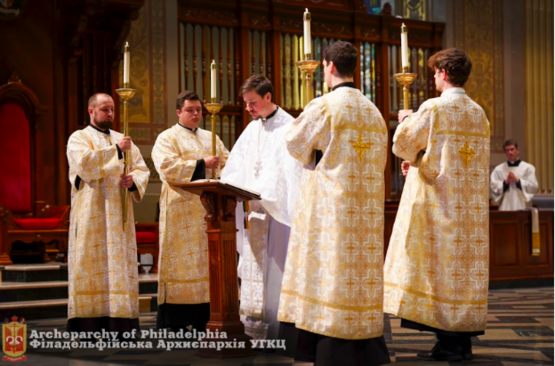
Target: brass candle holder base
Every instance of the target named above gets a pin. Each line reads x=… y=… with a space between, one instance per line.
x=125 y=94
x=405 y=79
x=213 y=108
x=308 y=67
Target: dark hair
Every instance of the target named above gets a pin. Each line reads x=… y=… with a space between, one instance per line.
x=94 y=98
x=510 y=142
x=186 y=95
x=344 y=56
x=455 y=62
x=260 y=84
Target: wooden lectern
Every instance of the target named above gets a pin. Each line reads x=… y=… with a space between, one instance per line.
x=220 y=199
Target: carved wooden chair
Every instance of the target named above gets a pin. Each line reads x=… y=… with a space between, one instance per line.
x=24 y=217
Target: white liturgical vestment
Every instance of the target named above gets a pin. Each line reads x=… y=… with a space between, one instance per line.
x=514 y=198
x=183 y=265
x=436 y=269
x=333 y=280
x=259 y=161
x=102 y=259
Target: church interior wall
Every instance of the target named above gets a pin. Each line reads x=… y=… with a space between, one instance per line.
x=494 y=34
x=513 y=43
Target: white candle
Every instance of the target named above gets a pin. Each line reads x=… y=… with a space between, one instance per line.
x=306 y=33
x=404 y=47
x=213 y=79
x=126 y=63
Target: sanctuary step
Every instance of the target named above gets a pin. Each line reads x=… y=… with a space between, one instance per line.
x=34 y=272
x=57 y=308
x=47 y=290
x=30 y=292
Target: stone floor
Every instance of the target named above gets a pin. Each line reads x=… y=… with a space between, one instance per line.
x=520 y=332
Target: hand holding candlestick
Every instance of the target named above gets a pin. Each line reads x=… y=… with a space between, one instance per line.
x=125 y=94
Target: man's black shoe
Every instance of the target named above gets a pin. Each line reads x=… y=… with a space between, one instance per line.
x=467 y=349
x=441 y=353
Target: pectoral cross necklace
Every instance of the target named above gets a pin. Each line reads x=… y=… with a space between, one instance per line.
x=258 y=163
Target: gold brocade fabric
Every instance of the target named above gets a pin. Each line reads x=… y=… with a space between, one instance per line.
x=332 y=284
x=102 y=263
x=436 y=269
x=183 y=259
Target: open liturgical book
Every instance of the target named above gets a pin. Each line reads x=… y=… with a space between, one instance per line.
x=241 y=188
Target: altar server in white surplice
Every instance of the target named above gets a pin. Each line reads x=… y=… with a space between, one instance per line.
x=259 y=161
x=436 y=269
x=102 y=264
x=513 y=183
x=333 y=280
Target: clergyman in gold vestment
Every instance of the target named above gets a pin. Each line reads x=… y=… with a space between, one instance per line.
x=181 y=154
x=436 y=269
x=332 y=284
x=102 y=264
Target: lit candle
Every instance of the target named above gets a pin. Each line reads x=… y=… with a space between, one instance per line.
x=213 y=79
x=126 y=63
x=326 y=90
x=404 y=47
x=306 y=34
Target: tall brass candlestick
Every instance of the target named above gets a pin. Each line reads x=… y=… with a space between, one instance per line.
x=125 y=94
x=308 y=67
x=405 y=79
x=213 y=108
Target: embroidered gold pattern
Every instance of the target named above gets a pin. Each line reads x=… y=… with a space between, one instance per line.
x=466 y=154
x=342 y=299
x=361 y=147
x=183 y=265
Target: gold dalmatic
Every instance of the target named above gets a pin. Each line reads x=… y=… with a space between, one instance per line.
x=436 y=270
x=183 y=260
x=332 y=284
x=103 y=272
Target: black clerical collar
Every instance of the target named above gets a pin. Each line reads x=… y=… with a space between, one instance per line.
x=190 y=129
x=516 y=163
x=349 y=84
x=107 y=132
x=271 y=115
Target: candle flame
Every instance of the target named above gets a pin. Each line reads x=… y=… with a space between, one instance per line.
x=306 y=10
